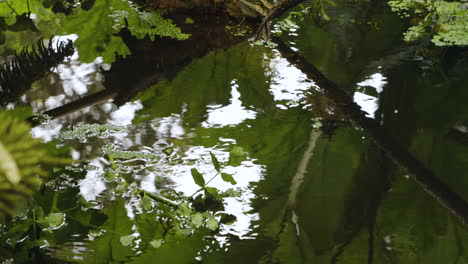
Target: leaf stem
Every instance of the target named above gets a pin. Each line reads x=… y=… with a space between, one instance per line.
x=158 y=198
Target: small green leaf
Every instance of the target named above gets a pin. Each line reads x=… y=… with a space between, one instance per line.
x=184 y=209
x=184 y=232
x=197 y=177
x=197 y=219
x=189 y=21
x=156 y=243
x=127 y=240
x=232 y=193
x=212 y=223
x=213 y=193
x=228 y=178
x=146 y=203
x=215 y=162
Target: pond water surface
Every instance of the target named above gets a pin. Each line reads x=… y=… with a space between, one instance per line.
x=297 y=182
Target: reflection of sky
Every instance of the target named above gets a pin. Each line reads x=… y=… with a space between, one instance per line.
x=168 y=127
x=369 y=103
x=75 y=75
x=125 y=114
x=232 y=114
x=376 y=80
x=288 y=83
x=93 y=184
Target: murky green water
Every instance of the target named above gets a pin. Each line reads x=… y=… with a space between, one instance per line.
x=307 y=186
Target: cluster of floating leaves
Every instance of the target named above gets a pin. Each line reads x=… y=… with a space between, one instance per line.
x=114 y=153
x=84 y=131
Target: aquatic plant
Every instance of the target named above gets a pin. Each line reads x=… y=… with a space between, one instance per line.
x=84 y=131
x=446 y=23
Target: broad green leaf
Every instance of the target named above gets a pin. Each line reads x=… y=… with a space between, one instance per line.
x=95 y=30
x=108 y=247
x=23 y=23
x=228 y=178
x=215 y=162
x=197 y=177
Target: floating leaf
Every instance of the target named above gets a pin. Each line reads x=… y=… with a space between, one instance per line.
x=212 y=223
x=236 y=156
x=52 y=220
x=146 y=203
x=232 y=193
x=228 y=178
x=197 y=177
x=127 y=240
x=215 y=162
x=228 y=219
x=197 y=219
x=184 y=232
x=184 y=209
x=156 y=243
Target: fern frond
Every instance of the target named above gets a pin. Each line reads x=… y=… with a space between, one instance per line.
x=153 y=24
x=28 y=156
x=17 y=74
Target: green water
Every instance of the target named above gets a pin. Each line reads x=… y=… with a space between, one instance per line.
x=307 y=186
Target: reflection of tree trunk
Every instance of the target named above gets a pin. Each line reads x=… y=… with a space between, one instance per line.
x=298 y=178
x=401 y=157
x=288 y=212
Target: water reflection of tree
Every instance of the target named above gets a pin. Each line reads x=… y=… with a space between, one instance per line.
x=167 y=57
x=143 y=75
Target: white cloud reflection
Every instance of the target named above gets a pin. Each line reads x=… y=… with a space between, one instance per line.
x=231 y=114
x=369 y=103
